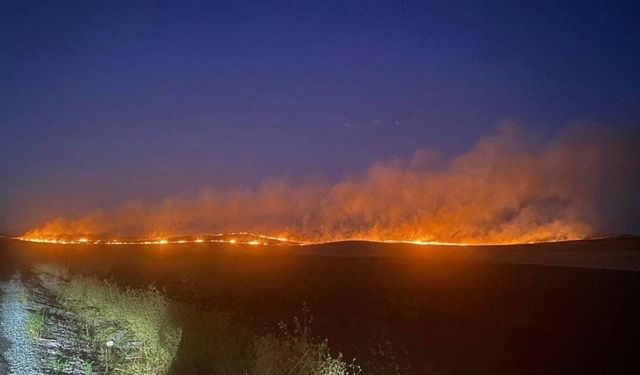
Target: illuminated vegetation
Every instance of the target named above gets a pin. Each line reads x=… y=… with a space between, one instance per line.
x=59 y=363
x=132 y=331
x=132 y=328
x=35 y=324
x=229 y=346
x=295 y=351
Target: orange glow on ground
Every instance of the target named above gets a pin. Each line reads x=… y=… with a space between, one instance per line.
x=253 y=240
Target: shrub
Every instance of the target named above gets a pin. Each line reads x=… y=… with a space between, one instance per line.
x=296 y=351
x=51 y=275
x=53 y=269
x=143 y=314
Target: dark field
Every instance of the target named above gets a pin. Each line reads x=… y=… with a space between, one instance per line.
x=426 y=309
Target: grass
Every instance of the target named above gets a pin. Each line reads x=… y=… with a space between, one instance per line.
x=35 y=324
x=295 y=351
x=229 y=345
x=87 y=368
x=353 y=299
x=134 y=333
x=59 y=363
x=52 y=275
x=133 y=328
x=55 y=270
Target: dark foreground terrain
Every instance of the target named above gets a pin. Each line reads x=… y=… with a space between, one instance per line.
x=538 y=309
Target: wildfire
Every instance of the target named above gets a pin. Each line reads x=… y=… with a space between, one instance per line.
x=506 y=189
x=253 y=239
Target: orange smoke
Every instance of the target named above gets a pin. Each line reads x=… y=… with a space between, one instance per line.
x=508 y=188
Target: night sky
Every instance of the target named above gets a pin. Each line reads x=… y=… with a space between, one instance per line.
x=106 y=102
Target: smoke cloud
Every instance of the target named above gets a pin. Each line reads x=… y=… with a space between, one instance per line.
x=509 y=187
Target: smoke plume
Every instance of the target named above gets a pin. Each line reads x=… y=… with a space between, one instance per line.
x=509 y=187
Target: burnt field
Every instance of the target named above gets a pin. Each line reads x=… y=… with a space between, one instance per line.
x=553 y=308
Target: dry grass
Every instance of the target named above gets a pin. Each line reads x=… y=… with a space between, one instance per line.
x=52 y=275
x=143 y=337
x=55 y=270
x=133 y=328
x=228 y=345
x=295 y=351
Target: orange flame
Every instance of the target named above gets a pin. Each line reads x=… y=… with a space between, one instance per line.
x=506 y=189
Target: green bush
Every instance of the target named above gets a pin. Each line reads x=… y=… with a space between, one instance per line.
x=144 y=314
x=35 y=324
x=135 y=334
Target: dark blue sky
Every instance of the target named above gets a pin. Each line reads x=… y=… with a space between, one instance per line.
x=104 y=102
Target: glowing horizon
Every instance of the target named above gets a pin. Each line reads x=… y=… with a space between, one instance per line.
x=507 y=189
x=262 y=240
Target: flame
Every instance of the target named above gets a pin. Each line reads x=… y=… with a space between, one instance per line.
x=266 y=241
x=255 y=239
x=506 y=189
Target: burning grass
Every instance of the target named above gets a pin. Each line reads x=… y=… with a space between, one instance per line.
x=510 y=187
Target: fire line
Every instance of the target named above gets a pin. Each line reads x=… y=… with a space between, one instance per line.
x=256 y=240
